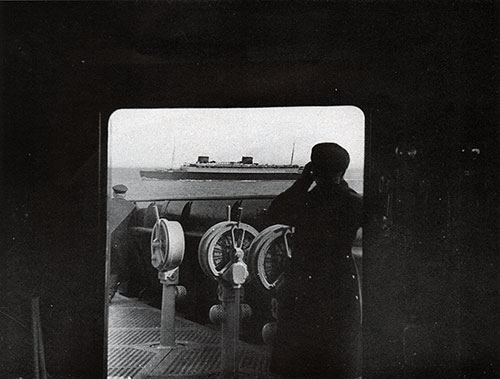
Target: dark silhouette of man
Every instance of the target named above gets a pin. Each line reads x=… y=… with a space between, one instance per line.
x=318 y=334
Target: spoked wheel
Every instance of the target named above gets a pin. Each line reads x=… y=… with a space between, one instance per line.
x=217 y=248
x=269 y=254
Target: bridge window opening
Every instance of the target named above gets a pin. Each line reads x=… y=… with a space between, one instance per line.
x=197 y=168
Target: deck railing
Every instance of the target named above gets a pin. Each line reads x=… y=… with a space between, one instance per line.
x=208 y=198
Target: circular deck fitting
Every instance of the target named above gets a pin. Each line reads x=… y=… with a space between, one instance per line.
x=269 y=254
x=220 y=244
x=167 y=245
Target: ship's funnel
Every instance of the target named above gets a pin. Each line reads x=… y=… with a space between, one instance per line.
x=202 y=159
x=247 y=160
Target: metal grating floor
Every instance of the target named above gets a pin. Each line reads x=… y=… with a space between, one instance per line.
x=134 y=318
x=134 y=334
x=123 y=336
x=192 y=362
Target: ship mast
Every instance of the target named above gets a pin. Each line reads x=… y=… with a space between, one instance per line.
x=173 y=156
x=293 y=151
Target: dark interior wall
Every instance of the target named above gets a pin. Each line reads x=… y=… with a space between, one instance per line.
x=425 y=76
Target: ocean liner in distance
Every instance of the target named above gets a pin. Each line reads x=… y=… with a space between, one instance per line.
x=246 y=169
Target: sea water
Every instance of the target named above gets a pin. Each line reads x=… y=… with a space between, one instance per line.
x=144 y=189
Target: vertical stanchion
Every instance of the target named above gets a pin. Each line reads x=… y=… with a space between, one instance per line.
x=41 y=349
x=230 y=332
x=34 y=329
x=169 y=279
x=231 y=288
x=38 y=348
x=231 y=278
x=167 y=252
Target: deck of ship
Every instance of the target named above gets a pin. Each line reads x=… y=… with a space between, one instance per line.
x=133 y=352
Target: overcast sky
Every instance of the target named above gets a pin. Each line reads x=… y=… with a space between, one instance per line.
x=146 y=137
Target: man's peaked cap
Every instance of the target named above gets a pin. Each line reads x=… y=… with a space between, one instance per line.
x=329 y=157
x=120 y=188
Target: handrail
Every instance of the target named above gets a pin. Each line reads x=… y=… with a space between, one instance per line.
x=192 y=198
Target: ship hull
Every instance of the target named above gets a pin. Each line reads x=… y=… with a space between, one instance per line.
x=203 y=175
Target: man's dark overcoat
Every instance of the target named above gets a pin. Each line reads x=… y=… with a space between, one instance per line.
x=319 y=329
